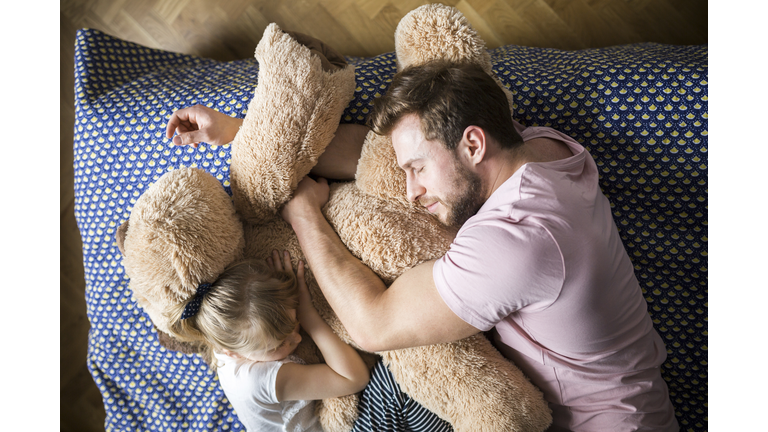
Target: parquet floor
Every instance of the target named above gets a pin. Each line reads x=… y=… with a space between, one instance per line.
x=228 y=30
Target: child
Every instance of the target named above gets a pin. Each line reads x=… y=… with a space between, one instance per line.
x=249 y=321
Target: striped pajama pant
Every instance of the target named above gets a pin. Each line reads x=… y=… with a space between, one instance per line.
x=383 y=407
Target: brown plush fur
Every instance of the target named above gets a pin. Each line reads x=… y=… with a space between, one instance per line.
x=466 y=382
x=182 y=232
x=434 y=32
x=280 y=146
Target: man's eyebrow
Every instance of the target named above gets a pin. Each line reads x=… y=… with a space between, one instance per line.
x=410 y=161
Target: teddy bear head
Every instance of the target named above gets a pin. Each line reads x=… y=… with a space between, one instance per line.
x=182 y=232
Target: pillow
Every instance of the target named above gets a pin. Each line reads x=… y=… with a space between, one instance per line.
x=641 y=111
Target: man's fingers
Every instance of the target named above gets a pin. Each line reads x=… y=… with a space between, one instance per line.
x=189 y=138
x=177 y=118
x=173 y=123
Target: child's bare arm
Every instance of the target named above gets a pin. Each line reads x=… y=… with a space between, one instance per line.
x=344 y=371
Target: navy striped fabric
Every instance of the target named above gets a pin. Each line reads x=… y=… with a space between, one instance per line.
x=384 y=407
x=641 y=110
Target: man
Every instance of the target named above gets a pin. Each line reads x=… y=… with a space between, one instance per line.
x=537 y=258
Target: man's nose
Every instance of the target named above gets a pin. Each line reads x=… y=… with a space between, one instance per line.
x=413 y=189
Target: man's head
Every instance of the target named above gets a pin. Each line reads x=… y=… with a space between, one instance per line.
x=436 y=113
x=448 y=98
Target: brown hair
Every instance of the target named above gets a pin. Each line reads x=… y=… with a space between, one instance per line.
x=245 y=310
x=447 y=97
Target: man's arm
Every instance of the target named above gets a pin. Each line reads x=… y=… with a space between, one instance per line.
x=410 y=313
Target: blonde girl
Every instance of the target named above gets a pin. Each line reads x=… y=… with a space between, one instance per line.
x=248 y=321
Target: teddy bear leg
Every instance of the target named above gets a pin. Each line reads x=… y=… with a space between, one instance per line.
x=338 y=414
x=471 y=385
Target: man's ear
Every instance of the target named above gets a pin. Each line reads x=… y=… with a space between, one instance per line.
x=122 y=230
x=473 y=145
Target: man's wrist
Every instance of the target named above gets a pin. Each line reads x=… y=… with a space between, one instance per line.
x=234 y=128
x=304 y=217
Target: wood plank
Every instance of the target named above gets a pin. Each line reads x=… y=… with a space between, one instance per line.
x=66 y=112
x=170 y=9
x=555 y=33
x=591 y=30
x=510 y=26
x=369 y=35
x=125 y=24
x=481 y=6
x=670 y=23
x=328 y=29
x=485 y=30
x=371 y=7
x=107 y=10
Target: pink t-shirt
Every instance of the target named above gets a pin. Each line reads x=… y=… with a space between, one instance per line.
x=543 y=265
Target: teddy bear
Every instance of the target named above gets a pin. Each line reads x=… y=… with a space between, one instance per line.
x=185 y=230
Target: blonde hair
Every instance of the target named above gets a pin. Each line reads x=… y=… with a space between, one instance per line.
x=246 y=310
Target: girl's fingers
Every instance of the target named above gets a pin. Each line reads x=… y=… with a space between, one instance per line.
x=287 y=258
x=276 y=260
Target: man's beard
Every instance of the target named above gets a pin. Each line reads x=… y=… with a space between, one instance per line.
x=464 y=202
x=468 y=199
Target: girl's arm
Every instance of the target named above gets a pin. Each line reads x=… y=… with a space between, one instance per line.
x=344 y=371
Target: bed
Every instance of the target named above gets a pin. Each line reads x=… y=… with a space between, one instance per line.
x=641 y=111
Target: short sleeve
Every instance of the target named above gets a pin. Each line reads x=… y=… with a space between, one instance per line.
x=496 y=268
x=260 y=380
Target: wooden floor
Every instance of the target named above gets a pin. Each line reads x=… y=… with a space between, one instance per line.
x=231 y=29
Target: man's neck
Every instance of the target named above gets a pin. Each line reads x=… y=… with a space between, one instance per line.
x=505 y=163
x=502 y=165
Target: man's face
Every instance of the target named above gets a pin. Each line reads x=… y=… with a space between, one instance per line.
x=435 y=177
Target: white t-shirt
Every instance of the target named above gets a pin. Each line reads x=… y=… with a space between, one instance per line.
x=250 y=387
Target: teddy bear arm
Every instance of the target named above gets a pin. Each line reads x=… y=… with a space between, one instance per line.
x=291 y=119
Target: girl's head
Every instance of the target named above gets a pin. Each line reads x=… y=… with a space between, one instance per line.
x=249 y=312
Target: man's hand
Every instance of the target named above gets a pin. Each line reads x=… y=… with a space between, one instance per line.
x=199 y=123
x=310 y=195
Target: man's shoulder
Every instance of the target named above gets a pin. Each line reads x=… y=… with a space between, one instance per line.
x=546 y=149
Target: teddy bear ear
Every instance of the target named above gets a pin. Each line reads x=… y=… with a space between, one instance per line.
x=122 y=231
x=435 y=31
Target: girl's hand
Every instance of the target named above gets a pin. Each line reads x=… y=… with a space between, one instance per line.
x=307 y=313
x=276 y=264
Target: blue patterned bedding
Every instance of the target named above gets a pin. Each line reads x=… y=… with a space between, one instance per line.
x=641 y=111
